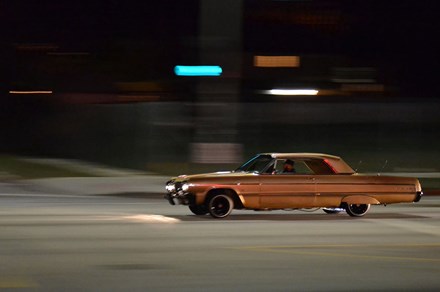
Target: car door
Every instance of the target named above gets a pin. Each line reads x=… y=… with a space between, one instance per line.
x=283 y=191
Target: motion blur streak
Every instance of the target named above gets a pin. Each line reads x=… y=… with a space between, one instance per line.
x=31 y=92
x=198 y=70
x=17 y=283
x=276 y=61
x=292 y=92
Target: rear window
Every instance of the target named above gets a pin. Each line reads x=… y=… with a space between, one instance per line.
x=319 y=167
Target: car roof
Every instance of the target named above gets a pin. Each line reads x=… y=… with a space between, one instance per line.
x=336 y=162
x=302 y=155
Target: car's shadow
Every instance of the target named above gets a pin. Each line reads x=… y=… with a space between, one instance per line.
x=296 y=217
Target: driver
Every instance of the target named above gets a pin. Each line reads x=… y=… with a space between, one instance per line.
x=288 y=166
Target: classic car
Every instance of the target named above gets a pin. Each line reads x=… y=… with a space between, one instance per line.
x=271 y=181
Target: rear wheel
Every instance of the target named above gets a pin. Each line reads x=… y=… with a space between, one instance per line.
x=357 y=210
x=220 y=206
x=198 y=209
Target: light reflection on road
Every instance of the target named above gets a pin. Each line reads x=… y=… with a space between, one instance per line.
x=151 y=218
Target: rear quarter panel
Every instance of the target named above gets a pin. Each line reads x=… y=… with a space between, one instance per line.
x=331 y=189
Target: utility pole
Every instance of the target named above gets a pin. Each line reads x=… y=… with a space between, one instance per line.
x=217 y=105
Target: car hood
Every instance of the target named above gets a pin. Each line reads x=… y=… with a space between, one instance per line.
x=213 y=175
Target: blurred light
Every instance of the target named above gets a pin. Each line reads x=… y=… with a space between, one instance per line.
x=31 y=92
x=276 y=61
x=198 y=70
x=292 y=92
x=69 y=54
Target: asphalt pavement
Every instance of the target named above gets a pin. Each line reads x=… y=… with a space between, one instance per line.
x=117 y=233
x=62 y=242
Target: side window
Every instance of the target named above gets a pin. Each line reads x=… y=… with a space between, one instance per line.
x=298 y=167
x=302 y=168
x=270 y=169
x=279 y=166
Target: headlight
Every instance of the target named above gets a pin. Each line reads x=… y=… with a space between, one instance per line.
x=185 y=187
x=170 y=187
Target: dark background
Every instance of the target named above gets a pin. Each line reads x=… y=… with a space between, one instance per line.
x=115 y=98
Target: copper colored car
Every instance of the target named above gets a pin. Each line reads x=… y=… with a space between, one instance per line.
x=272 y=181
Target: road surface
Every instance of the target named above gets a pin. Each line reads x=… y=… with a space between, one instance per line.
x=59 y=242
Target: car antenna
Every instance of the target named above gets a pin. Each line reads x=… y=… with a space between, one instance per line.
x=383 y=166
x=357 y=167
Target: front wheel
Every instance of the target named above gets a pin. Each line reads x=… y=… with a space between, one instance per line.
x=357 y=210
x=220 y=206
x=198 y=209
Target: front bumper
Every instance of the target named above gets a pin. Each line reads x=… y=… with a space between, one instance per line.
x=178 y=193
x=180 y=198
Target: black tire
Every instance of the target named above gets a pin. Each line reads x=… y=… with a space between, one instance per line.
x=332 y=210
x=198 y=209
x=220 y=206
x=357 y=210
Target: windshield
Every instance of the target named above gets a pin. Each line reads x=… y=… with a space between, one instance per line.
x=257 y=164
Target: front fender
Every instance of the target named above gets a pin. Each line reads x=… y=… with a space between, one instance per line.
x=359 y=199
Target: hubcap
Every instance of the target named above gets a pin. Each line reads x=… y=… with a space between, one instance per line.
x=357 y=210
x=220 y=206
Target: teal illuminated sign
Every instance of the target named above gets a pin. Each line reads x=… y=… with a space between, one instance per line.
x=198 y=70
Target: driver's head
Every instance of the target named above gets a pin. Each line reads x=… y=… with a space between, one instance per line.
x=288 y=164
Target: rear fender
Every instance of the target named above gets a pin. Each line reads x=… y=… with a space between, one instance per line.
x=359 y=200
